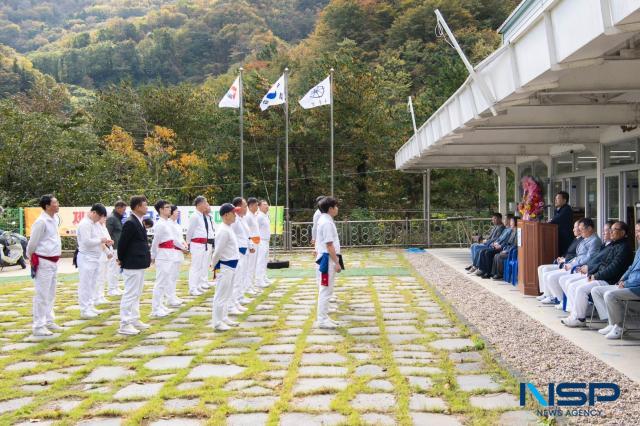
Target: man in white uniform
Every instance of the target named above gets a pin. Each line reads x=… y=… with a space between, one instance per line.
x=226 y=252
x=328 y=259
x=174 y=300
x=254 y=239
x=164 y=249
x=314 y=227
x=242 y=237
x=264 y=228
x=44 y=250
x=199 y=236
x=90 y=240
x=103 y=268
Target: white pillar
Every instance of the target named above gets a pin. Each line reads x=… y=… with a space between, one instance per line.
x=516 y=188
x=502 y=190
x=600 y=188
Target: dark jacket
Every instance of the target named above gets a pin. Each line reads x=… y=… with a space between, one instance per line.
x=616 y=259
x=563 y=217
x=114 y=226
x=511 y=242
x=571 y=251
x=133 y=248
x=494 y=233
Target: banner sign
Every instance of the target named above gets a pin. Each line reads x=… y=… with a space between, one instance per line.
x=70 y=217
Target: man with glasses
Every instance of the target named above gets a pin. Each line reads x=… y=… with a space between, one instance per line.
x=615 y=259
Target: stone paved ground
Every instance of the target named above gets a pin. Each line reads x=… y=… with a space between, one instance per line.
x=400 y=357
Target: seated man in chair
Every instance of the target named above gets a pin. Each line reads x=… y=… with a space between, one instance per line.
x=494 y=234
x=485 y=256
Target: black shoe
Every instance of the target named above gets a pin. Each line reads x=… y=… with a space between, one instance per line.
x=497 y=278
x=468 y=268
x=485 y=276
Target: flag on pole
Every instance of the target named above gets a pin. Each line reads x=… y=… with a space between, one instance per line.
x=317 y=96
x=275 y=95
x=232 y=98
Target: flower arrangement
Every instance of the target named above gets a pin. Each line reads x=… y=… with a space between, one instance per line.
x=532 y=202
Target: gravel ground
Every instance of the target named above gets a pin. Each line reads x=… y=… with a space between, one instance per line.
x=527 y=347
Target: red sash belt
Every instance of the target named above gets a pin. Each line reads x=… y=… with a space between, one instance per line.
x=35 y=261
x=199 y=240
x=167 y=245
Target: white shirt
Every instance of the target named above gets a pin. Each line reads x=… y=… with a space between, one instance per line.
x=314 y=228
x=106 y=250
x=45 y=239
x=197 y=229
x=163 y=231
x=264 y=226
x=251 y=221
x=226 y=245
x=178 y=240
x=89 y=237
x=241 y=231
x=327 y=233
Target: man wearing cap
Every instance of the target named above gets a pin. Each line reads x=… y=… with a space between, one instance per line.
x=44 y=250
x=225 y=259
x=90 y=240
x=200 y=234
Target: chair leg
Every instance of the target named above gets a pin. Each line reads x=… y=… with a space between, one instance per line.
x=624 y=317
x=593 y=308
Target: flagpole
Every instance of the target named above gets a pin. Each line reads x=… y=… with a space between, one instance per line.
x=331 y=113
x=286 y=156
x=241 y=137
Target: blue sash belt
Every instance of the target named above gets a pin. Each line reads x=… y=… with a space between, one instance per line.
x=243 y=250
x=229 y=263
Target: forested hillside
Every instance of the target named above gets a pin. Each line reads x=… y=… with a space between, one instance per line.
x=142 y=132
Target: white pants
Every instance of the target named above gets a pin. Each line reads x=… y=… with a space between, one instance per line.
x=598 y=295
x=45 y=293
x=238 y=278
x=552 y=283
x=175 y=274
x=567 y=284
x=199 y=262
x=162 y=285
x=130 y=302
x=113 y=272
x=325 y=292
x=103 y=266
x=261 y=262
x=88 y=271
x=579 y=293
x=224 y=293
x=250 y=271
x=542 y=270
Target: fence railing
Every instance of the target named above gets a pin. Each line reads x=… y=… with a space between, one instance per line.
x=451 y=232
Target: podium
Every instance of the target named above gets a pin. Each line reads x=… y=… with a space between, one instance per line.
x=537 y=245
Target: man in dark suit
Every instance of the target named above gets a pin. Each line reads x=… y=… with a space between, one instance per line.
x=563 y=217
x=134 y=257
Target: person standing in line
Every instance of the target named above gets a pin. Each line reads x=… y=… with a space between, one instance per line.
x=210 y=246
x=163 y=252
x=264 y=228
x=181 y=249
x=114 y=226
x=329 y=260
x=134 y=257
x=225 y=259
x=314 y=227
x=242 y=237
x=105 y=258
x=254 y=239
x=90 y=240
x=199 y=233
x=44 y=249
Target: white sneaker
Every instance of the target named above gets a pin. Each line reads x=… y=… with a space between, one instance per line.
x=606 y=330
x=140 y=325
x=128 y=330
x=89 y=315
x=41 y=332
x=333 y=299
x=573 y=322
x=102 y=301
x=549 y=300
x=52 y=326
x=221 y=326
x=159 y=314
x=195 y=292
x=231 y=322
x=176 y=303
x=541 y=297
x=205 y=286
x=615 y=333
x=329 y=325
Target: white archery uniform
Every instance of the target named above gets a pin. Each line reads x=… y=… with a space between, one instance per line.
x=242 y=238
x=103 y=268
x=89 y=237
x=165 y=260
x=178 y=239
x=264 y=228
x=226 y=251
x=44 y=241
x=251 y=221
x=327 y=233
x=201 y=230
x=314 y=228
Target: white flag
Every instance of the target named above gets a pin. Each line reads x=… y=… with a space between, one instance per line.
x=275 y=95
x=318 y=96
x=232 y=98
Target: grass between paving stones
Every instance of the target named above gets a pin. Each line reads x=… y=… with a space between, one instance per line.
x=459 y=400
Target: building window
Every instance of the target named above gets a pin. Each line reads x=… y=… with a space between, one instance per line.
x=621 y=153
x=563 y=164
x=612 y=197
x=585 y=161
x=591 y=208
